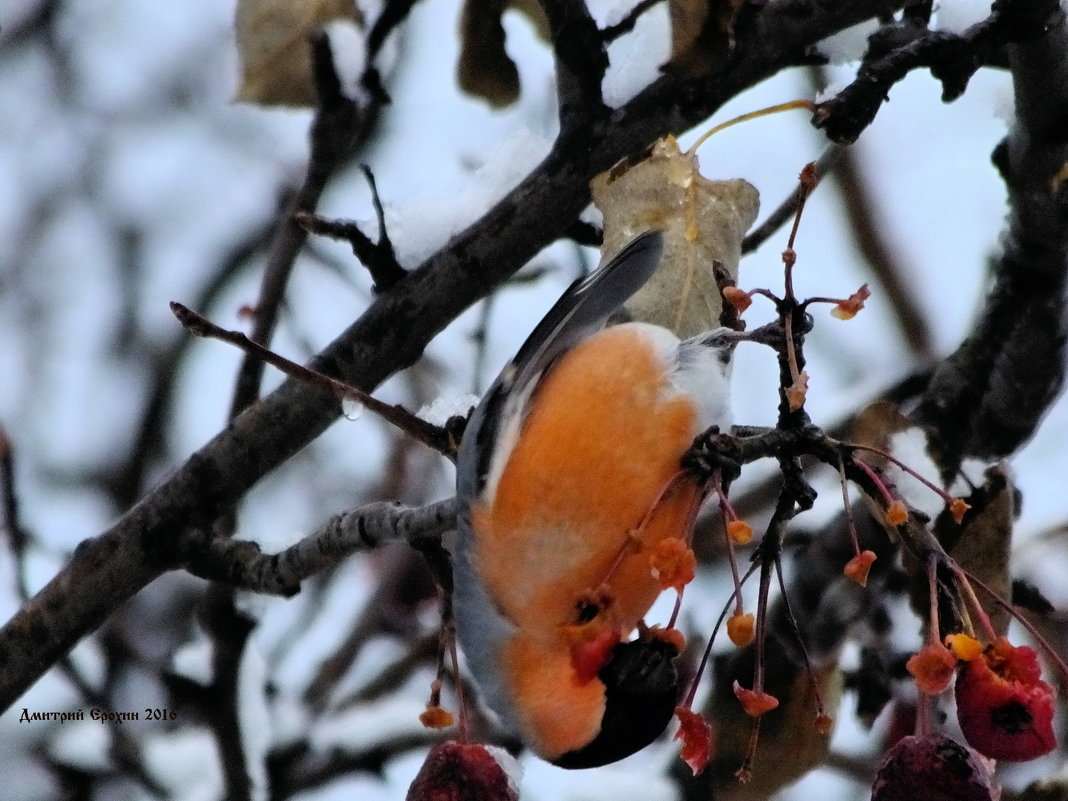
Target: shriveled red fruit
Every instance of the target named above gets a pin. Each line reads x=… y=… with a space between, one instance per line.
x=696 y=736
x=932 y=767
x=1004 y=708
x=462 y=772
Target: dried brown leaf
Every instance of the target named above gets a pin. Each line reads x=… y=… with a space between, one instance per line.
x=790 y=743
x=274 y=46
x=485 y=69
x=982 y=545
x=703 y=222
x=702 y=34
x=875 y=425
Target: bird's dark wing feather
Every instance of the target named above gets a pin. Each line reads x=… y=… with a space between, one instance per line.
x=582 y=310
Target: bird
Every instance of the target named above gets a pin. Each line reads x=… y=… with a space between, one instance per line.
x=569 y=474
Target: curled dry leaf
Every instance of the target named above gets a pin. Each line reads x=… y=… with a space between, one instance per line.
x=874 y=427
x=485 y=69
x=702 y=34
x=703 y=222
x=274 y=45
x=982 y=544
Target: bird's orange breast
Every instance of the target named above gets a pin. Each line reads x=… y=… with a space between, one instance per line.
x=602 y=440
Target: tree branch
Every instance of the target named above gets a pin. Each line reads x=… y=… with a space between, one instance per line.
x=988 y=398
x=581 y=62
x=952 y=59
x=240 y=563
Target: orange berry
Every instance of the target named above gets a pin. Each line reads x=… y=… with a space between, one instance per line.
x=740 y=629
x=858 y=567
x=673 y=563
x=897 y=514
x=753 y=702
x=436 y=718
x=932 y=668
x=740 y=532
x=737 y=298
x=965 y=648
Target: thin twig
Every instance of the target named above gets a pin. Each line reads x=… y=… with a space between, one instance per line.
x=626 y=25
x=826 y=162
x=883 y=262
x=433 y=436
x=378 y=257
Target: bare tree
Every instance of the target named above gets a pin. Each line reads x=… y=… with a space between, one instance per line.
x=179 y=557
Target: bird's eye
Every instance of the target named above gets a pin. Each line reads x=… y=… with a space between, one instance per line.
x=587 y=610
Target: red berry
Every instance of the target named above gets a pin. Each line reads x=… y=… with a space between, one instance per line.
x=932 y=767
x=461 y=772
x=1004 y=708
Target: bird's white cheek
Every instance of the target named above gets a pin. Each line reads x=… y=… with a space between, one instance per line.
x=706 y=379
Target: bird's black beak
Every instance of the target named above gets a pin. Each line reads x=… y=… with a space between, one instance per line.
x=641 y=692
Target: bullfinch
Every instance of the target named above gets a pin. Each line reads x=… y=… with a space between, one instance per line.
x=569 y=476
